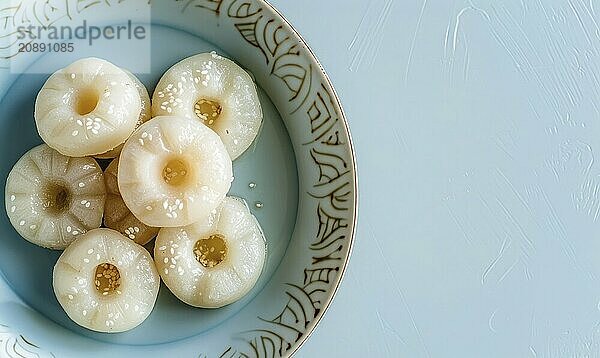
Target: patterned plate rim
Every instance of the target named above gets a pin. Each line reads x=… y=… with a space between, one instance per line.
x=326 y=305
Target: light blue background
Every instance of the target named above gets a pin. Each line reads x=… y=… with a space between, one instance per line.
x=476 y=126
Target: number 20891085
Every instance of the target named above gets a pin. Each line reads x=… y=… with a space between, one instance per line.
x=46 y=47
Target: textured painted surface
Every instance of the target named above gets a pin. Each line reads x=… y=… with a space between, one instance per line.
x=476 y=125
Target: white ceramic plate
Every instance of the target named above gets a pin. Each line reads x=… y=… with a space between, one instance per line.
x=299 y=179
